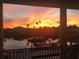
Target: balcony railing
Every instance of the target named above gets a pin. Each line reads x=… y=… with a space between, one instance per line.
x=41 y=53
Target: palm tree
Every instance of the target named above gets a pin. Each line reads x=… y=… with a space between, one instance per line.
x=27 y=26
x=34 y=27
x=37 y=23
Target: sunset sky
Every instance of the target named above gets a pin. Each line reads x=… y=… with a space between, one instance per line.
x=20 y=15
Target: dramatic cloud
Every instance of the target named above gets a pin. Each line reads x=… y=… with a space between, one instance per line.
x=20 y=15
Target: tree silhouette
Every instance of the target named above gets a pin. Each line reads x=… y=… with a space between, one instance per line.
x=73 y=34
x=27 y=26
x=37 y=23
x=37 y=40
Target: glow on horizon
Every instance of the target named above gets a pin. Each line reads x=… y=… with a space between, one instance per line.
x=20 y=16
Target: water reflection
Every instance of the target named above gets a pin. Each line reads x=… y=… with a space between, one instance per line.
x=29 y=43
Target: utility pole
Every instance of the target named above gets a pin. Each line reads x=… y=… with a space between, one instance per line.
x=1 y=31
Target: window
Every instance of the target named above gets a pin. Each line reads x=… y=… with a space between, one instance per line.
x=29 y=25
x=73 y=25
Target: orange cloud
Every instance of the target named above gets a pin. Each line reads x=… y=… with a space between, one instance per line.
x=44 y=22
x=33 y=14
x=73 y=21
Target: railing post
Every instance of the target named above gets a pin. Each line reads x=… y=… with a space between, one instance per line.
x=1 y=31
x=63 y=27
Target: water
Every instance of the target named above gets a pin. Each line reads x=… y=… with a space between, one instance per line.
x=14 y=44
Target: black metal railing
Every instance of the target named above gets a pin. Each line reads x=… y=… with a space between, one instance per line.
x=40 y=53
x=46 y=53
x=33 y=53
